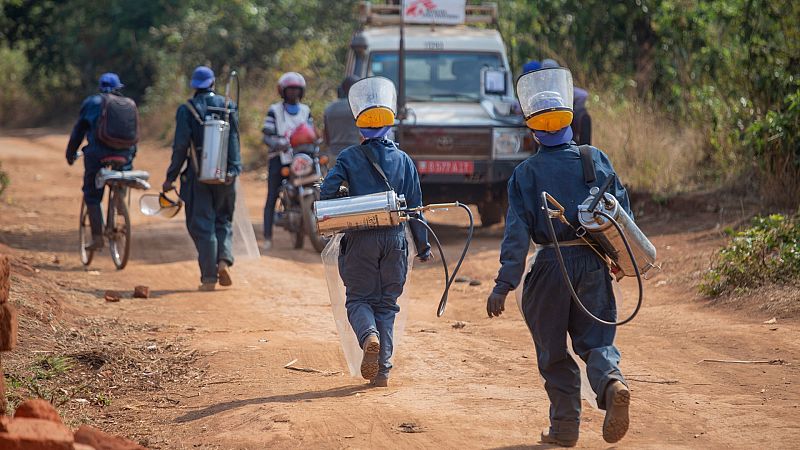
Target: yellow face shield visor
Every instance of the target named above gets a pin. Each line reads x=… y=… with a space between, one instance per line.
x=375 y=117
x=551 y=121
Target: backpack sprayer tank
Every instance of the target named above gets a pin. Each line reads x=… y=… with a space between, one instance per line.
x=363 y=212
x=604 y=233
x=213 y=166
x=381 y=210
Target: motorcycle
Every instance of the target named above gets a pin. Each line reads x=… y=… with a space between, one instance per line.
x=303 y=171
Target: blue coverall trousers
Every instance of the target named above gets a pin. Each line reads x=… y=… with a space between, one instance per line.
x=550 y=314
x=209 y=219
x=373 y=266
x=274 y=181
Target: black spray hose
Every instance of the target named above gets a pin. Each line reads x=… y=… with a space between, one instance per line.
x=447 y=277
x=564 y=273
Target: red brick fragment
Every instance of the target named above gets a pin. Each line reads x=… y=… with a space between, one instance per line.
x=141 y=292
x=37 y=408
x=5 y=278
x=33 y=434
x=103 y=441
x=112 y=296
x=8 y=327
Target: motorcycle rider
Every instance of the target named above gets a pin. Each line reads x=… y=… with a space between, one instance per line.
x=94 y=152
x=545 y=96
x=282 y=119
x=340 y=127
x=373 y=263
x=209 y=207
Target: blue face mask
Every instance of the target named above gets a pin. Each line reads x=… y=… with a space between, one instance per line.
x=292 y=109
x=371 y=133
x=562 y=136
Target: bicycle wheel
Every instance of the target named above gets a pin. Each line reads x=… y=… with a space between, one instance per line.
x=118 y=229
x=85 y=236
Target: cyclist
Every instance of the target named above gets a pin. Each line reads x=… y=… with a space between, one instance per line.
x=95 y=151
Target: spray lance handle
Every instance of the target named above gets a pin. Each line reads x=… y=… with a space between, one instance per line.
x=557 y=213
x=600 y=195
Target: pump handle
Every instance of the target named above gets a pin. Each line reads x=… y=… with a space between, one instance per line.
x=603 y=189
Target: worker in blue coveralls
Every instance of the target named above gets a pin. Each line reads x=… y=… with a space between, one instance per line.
x=94 y=152
x=209 y=207
x=546 y=99
x=373 y=263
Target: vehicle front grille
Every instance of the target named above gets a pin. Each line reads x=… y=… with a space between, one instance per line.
x=469 y=143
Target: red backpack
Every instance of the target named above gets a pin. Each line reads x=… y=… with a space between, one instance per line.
x=118 y=126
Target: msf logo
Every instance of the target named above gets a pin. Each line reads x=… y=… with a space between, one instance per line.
x=418 y=8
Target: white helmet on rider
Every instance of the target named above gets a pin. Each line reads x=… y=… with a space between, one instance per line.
x=291 y=79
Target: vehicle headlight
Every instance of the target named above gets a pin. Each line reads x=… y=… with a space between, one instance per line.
x=507 y=143
x=302 y=165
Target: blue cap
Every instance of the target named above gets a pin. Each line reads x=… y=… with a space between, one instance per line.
x=530 y=66
x=109 y=82
x=202 y=78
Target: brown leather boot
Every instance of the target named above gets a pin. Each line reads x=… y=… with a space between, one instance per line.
x=547 y=438
x=224 y=274
x=369 y=363
x=616 y=423
x=379 y=381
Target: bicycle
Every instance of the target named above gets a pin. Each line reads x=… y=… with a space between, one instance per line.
x=117 y=228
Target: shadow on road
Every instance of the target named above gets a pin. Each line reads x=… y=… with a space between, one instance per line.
x=208 y=411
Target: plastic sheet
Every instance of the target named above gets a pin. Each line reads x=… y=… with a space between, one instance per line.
x=336 y=291
x=245 y=245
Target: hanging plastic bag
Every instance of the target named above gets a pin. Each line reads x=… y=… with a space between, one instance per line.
x=336 y=291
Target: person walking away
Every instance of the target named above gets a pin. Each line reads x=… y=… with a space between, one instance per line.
x=109 y=122
x=557 y=167
x=209 y=207
x=282 y=119
x=340 y=127
x=373 y=263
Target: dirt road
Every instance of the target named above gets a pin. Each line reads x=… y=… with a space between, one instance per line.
x=470 y=387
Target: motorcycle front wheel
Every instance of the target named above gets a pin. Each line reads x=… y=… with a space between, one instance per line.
x=298 y=235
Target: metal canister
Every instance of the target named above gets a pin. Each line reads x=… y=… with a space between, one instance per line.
x=214 y=159
x=363 y=212
x=606 y=235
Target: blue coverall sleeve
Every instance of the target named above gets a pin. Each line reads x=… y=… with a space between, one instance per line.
x=334 y=179
x=516 y=241
x=79 y=131
x=413 y=193
x=181 y=143
x=617 y=190
x=234 y=151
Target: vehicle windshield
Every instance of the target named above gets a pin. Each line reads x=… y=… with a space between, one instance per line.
x=437 y=76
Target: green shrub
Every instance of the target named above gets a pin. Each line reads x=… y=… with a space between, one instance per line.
x=767 y=252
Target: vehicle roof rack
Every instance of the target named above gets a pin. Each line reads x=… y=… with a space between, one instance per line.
x=383 y=14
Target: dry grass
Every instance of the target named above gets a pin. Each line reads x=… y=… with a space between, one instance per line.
x=649 y=152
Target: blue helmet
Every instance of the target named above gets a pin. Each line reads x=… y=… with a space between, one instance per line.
x=202 y=78
x=109 y=82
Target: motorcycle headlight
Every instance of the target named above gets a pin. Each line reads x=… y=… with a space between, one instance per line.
x=302 y=165
x=507 y=143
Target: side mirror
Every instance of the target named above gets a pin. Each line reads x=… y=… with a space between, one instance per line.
x=493 y=82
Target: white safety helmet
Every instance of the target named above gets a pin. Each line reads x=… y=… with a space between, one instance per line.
x=291 y=79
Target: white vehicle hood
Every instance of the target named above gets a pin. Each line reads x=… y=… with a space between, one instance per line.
x=456 y=114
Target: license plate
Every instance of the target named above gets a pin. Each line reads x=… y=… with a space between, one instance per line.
x=446 y=167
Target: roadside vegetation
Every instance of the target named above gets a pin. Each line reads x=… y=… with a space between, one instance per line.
x=766 y=252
